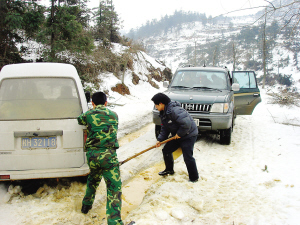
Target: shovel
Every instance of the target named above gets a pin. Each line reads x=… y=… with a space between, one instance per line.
x=163 y=142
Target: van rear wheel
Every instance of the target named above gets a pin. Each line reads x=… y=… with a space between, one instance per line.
x=225 y=136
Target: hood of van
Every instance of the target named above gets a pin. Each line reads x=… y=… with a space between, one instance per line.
x=198 y=96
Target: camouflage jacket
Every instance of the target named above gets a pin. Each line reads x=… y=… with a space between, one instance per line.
x=102 y=126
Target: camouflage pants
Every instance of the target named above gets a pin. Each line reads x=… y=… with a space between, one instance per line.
x=105 y=164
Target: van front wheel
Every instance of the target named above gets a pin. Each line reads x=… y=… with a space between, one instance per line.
x=225 y=136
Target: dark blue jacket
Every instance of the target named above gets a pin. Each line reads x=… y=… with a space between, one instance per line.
x=176 y=120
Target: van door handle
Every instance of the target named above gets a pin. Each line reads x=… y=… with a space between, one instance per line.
x=255 y=95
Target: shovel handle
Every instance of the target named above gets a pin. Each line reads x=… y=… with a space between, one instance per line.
x=163 y=142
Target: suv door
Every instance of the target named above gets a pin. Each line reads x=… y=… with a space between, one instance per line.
x=248 y=96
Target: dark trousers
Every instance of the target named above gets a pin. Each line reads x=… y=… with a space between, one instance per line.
x=187 y=146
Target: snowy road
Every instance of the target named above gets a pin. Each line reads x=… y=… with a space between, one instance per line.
x=255 y=180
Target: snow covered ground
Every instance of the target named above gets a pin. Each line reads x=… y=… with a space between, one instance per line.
x=255 y=180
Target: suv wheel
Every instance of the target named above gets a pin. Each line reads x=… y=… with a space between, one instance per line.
x=225 y=136
x=157 y=130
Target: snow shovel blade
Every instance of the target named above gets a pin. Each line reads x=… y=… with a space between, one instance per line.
x=163 y=142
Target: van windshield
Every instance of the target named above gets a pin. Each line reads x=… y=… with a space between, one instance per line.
x=39 y=98
x=200 y=79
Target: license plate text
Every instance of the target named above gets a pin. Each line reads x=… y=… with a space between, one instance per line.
x=39 y=142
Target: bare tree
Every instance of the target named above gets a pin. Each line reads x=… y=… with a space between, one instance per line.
x=234 y=55
x=288 y=12
x=215 y=56
x=264 y=51
x=195 y=56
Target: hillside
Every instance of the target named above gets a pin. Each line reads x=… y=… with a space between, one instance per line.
x=234 y=42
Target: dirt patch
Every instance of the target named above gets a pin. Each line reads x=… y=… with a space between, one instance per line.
x=121 y=89
x=130 y=64
x=135 y=79
x=157 y=75
x=153 y=84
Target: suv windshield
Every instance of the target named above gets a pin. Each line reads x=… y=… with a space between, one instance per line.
x=196 y=79
x=38 y=98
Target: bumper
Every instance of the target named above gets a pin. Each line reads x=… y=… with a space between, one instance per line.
x=206 y=121
x=47 y=173
x=213 y=121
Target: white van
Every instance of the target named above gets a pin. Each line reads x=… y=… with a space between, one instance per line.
x=39 y=133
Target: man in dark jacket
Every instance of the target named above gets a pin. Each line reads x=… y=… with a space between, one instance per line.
x=101 y=145
x=180 y=124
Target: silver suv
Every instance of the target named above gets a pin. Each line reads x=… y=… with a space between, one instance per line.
x=213 y=97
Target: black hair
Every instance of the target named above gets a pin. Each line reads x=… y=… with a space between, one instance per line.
x=160 y=98
x=99 y=98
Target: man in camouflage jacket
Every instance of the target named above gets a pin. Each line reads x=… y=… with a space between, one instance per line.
x=101 y=145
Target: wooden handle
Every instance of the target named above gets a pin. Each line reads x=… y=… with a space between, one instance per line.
x=163 y=142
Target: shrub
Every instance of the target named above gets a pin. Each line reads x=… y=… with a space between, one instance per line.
x=285 y=97
x=285 y=80
x=167 y=73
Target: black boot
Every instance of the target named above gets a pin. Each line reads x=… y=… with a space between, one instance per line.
x=166 y=172
x=169 y=162
x=85 y=208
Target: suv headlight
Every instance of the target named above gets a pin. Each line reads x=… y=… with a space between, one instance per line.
x=220 y=108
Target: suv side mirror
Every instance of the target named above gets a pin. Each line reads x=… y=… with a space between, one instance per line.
x=166 y=84
x=88 y=96
x=235 y=87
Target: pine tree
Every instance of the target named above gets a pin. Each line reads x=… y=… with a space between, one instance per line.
x=107 y=22
x=19 y=20
x=66 y=29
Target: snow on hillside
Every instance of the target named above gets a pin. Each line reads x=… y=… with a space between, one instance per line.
x=177 y=47
x=171 y=46
x=279 y=54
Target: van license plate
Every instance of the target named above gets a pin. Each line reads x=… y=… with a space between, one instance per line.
x=39 y=142
x=197 y=122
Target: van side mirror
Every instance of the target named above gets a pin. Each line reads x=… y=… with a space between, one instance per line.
x=235 y=87
x=166 y=84
x=88 y=96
